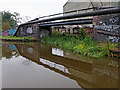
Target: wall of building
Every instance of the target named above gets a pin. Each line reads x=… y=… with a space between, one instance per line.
x=78 y=5
x=69 y=6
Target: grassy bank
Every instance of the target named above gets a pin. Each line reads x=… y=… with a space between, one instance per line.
x=80 y=44
x=17 y=39
x=11 y=37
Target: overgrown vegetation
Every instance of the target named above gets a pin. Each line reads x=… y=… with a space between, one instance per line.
x=81 y=44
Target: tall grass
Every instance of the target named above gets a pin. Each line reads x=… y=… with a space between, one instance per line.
x=81 y=44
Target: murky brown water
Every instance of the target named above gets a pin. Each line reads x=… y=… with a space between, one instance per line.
x=36 y=65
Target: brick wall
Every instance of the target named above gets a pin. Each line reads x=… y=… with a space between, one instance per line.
x=107 y=27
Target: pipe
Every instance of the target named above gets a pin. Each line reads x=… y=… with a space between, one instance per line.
x=67 y=23
x=69 y=12
x=85 y=14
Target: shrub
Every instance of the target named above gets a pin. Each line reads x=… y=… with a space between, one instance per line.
x=86 y=46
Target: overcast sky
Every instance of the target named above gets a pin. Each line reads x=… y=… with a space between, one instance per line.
x=36 y=8
x=33 y=8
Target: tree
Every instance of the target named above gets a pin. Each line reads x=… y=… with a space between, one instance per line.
x=9 y=19
x=6 y=26
x=17 y=17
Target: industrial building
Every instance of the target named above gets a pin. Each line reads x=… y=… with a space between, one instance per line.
x=77 y=5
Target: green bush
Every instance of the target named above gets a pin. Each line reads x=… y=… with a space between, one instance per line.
x=85 y=46
x=55 y=34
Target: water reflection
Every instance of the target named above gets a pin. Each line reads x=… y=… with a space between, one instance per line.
x=80 y=71
x=58 y=52
x=8 y=51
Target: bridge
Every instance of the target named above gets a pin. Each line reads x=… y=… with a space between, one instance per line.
x=40 y=28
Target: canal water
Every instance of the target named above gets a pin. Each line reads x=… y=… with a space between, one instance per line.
x=37 y=65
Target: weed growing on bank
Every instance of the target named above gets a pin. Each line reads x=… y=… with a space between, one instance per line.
x=80 y=44
x=12 y=37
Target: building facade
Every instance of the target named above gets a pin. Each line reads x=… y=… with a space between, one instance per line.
x=71 y=5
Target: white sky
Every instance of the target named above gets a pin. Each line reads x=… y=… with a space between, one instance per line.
x=33 y=8
x=36 y=8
